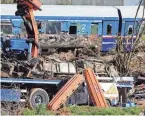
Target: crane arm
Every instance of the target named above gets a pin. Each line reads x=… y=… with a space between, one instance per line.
x=25 y=9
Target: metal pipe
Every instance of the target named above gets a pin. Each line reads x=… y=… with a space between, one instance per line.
x=121 y=100
x=29 y=51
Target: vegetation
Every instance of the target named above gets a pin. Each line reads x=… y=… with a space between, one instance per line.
x=63 y=2
x=7 y=1
x=143 y=37
x=86 y=110
x=40 y=110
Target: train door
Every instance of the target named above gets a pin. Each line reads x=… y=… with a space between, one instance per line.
x=94 y=31
x=128 y=29
x=110 y=29
x=96 y=28
x=130 y=34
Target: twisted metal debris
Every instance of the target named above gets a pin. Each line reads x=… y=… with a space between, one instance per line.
x=13 y=108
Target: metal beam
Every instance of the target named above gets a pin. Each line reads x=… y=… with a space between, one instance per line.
x=29 y=81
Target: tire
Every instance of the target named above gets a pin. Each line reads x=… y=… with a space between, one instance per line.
x=108 y=103
x=37 y=97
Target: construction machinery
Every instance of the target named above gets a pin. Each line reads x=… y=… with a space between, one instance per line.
x=25 y=10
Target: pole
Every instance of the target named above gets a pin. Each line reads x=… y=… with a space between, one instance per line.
x=121 y=101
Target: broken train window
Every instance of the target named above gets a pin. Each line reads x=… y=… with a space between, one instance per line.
x=73 y=29
x=109 y=29
x=39 y=24
x=6 y=27
x=53 y=27
x=94 y=28
x=130 y=29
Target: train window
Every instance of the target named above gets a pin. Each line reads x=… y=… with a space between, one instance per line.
x=39 y=24
x=94 y=28
x=130 y=29
x=72 y=29
x=6 y=27
x=109 y=29
x=53 y=27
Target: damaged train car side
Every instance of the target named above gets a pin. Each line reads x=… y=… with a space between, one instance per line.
x=88 y=21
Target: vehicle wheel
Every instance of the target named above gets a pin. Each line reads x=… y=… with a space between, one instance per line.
x=38 y=96
x=108 y=103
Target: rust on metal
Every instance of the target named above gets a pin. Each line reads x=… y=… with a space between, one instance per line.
x=65 y=92
x=94 y=88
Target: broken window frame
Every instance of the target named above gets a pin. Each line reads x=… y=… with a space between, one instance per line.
x=130 y=30
x=72 y=33
x=39 y=24
x=94 y=24
x=109 y=31
x=6 y=23
x=52 y=27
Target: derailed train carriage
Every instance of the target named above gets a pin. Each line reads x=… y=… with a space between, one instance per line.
x=91 y=21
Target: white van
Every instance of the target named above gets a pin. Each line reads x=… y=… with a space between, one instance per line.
x=109 y=87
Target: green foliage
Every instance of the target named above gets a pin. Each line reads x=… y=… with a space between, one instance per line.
x=143 y=37
x=94 y=29
x=29 y=112
x=40 y=110
x=7 y=1
x=63 y=2
x=86 y=110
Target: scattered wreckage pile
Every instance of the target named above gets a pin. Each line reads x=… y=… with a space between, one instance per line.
x=59 y=62
x=139 y=91
x=66 y=40
x=56 y=65
x=137 y=64
x=62 y=56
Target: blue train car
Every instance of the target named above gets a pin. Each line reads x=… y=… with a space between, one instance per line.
x=94 y=21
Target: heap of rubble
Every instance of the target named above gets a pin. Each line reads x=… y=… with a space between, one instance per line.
x=56 y=63
x=65 y=40
x=67 y=55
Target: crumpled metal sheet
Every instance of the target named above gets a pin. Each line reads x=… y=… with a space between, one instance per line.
x=65 y=40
